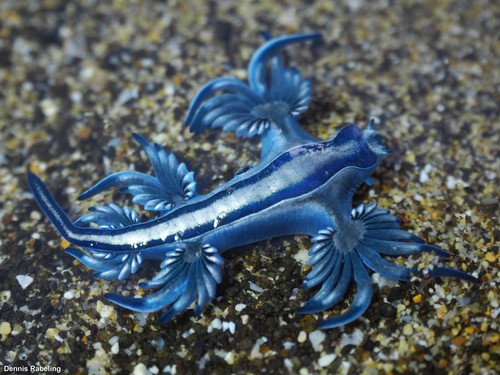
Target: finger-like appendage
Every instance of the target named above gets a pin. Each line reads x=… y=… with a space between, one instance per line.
x=396 y=248
x=153 y=302
x=387 y=269
x=451 y=272
x=257 y=65
x=333 y=288
x=109 y=266
x=361 y=301
x=119 y=180
x=219 y=84
x=110 y=216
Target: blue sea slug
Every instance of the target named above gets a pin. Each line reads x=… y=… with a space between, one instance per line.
x=302 y=185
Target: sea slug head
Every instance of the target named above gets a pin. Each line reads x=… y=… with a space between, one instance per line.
x=375 y=140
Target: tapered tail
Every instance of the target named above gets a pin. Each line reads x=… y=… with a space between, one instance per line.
x=51 y=208
x=89 y=238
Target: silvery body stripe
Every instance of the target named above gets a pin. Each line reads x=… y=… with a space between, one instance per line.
x=292 y=174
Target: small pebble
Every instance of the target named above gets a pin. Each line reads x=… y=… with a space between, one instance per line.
x=255 y=287
x=69 y=294
x=216 y=323
x=490 y=257
x=407 y=330
x=302 y=337
x=24 y=280
x=326 y=360
x=229 y=358
x=140 y=369
x=239 y=307
x=244 y=319
x=115 y=349
x=5 y=328
x=355 y=338
x=316 y=338
x=417 y=298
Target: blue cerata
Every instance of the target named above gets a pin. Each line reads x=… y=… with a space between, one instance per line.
x=302 y=185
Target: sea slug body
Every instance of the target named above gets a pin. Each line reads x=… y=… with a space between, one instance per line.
x=302 y=185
